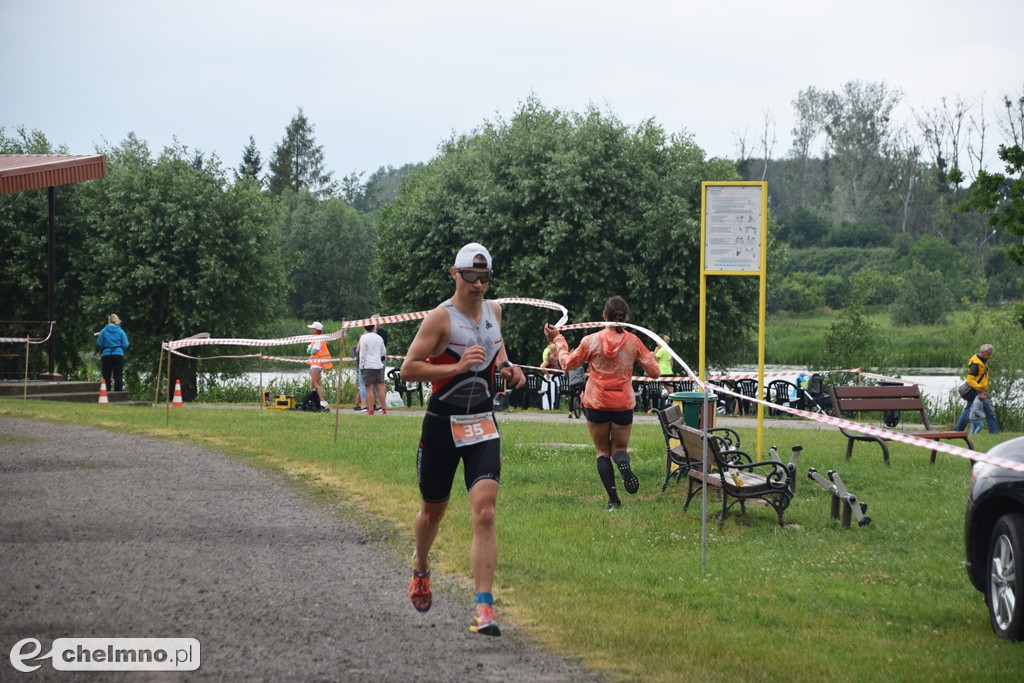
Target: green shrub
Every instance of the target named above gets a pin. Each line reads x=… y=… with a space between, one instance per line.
x=923 y=298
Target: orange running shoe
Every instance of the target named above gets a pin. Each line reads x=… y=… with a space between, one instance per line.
x=419 y=591
x=485 y=622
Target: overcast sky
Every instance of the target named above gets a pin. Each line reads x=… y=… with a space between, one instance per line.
x=384 y=82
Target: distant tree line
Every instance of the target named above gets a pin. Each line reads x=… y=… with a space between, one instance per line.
x=575 y=206
x=858 y=189
x=175 y=246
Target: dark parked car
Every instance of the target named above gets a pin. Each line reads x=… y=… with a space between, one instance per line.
x=994 y=535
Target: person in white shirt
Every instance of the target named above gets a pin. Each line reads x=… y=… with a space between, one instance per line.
x=371 y=368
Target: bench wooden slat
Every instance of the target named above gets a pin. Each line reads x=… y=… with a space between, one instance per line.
x=885 y=391
x=902 y=398
x=880 y=404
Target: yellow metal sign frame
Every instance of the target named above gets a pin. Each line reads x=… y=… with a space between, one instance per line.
x=733 y=242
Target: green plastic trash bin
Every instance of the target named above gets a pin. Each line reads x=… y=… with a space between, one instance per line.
x=690 y=403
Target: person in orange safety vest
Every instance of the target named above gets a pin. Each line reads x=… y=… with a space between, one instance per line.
x=319 y=360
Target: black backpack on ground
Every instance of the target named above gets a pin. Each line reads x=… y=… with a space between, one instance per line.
x=311 y=402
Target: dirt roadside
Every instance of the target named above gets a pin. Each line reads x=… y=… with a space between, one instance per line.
x=113 y=535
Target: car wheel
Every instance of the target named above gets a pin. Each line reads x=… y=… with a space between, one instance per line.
x=1005 y=595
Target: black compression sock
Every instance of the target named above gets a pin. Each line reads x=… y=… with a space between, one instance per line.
x=607 y=473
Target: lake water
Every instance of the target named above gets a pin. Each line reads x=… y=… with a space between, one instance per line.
x=282 y=378
x=936 y=383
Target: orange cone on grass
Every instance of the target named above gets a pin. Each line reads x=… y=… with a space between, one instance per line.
x=177 y=403
x=103 y=393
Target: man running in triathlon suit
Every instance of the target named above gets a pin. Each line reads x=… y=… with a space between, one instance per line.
x=458 y=347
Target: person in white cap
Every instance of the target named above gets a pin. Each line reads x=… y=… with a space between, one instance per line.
x=371 y=368
x=319 y=360
x=458 y=348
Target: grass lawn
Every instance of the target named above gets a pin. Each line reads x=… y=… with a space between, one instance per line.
x=800 y=340
x=625 y=591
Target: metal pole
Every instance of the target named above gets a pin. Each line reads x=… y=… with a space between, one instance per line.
x=704 y=481
x=159 y=378
x=341 y=367
x=24 y=390
x=167 y=421
x=51 y=251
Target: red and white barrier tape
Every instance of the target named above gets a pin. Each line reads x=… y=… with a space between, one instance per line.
x=779 y=373
x=29 y=340
x=890 y=435
x=338 y=334
x=887 y=434
x=405 y=317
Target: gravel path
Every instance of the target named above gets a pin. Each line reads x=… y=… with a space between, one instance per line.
x=112 y=535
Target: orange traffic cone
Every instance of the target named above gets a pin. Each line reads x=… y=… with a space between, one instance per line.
x=177 y=395
x=103 y=393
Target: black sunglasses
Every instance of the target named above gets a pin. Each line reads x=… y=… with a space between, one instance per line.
x=473 y=276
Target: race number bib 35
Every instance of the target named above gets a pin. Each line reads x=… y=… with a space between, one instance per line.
x=470 y=429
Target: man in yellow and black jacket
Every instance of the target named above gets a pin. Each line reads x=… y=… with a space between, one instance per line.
x=977 y=378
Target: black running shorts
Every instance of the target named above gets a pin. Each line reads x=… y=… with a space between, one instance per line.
x=619 y=417
x=437 y=459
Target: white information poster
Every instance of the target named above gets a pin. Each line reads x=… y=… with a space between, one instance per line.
x=733 y=228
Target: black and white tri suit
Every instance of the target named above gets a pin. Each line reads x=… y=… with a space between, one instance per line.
x=469 y=393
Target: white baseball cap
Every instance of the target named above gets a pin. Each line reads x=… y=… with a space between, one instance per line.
x=316 y=326
x=468 y=253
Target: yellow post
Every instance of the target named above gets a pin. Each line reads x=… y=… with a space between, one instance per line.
x=733 y=241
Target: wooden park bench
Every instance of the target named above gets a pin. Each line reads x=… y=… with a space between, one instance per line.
x=677 y=462
x=900 y=398
x=736 y=476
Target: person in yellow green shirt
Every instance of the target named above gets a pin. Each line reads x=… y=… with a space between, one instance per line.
x=664 y=357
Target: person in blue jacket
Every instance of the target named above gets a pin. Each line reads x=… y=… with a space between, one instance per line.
x=113 y=341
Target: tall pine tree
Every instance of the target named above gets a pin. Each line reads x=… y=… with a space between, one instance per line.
x=252 y=164
x=298 y=162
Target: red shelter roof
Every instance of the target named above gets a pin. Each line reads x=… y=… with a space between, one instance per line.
x=19 y=172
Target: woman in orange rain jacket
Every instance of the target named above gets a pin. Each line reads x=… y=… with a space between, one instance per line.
x=608 y=399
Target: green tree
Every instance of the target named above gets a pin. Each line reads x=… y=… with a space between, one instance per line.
x=382 y=187
x=803 y=228
x=329 y=247
x=859 y=129
x=251 y=165
x=176 y=251
x=298 y=162
x=922 y=299
x=948 y=262
x=848 y=234
x=574 y=207
x=798 y=292
x=1000 y=197
x=852 y=336
x=859 y=145
x=810 y=106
